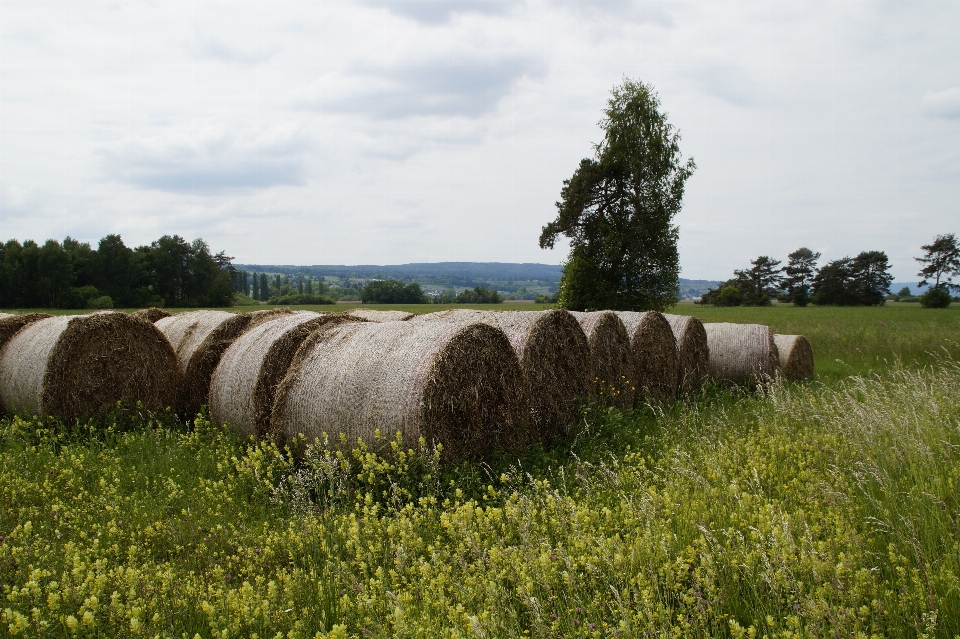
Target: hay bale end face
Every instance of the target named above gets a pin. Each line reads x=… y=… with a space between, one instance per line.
x=244 y=383
x=655 y=358
x=554 y=355
x=199 y=339
x=151 y=314
x=742 y=353
x=796 y=356
x=613 y=365
x=453 y=384
x=373 y=315
x=77 y=366
x=693 y=352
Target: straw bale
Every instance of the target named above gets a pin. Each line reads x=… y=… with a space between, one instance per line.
x=692 y=351
x=76 y=366
x=199 y=339
x=151 y=314
x=655 y=358
x=459 y=385
x=244 y=383
x=11 y=324
x=613 y=367
x=373 y=315
x=555 y=357
x=742 y=353
x=796 y=356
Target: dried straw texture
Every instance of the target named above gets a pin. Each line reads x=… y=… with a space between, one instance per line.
x=245 y=381
x=373 y=315
x=76 y=366
x=455 y=384
x=656 y=362
x=742 y=353
x=10 y=325
x=613 y=367
x=796 y=356
x=199 y=339
x=555 y=357
x=692 y=351
x=151 y=314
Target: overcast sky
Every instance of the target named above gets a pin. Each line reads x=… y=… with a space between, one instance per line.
x=402 y=131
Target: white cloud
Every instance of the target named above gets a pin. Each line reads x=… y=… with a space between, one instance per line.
x=209 y=158
x=942 y=104
x=390 y=131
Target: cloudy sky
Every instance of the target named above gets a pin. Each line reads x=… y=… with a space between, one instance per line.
x=393 y=131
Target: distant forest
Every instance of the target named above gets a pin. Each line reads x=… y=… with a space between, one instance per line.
x=508 y=278
x=168 y=272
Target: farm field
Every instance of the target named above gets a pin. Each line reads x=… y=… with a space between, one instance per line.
x=821 y=509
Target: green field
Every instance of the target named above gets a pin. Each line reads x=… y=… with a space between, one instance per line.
x=821 y=509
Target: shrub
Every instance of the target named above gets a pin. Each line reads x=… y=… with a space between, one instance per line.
x=935 y=298
x=300 y=298
x=102 y=302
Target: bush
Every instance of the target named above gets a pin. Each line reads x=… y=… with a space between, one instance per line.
x=479 y=295
x=300 y=298
x=729 y=296
x=100 y=303
x=935 y=298
x=392 y=292
x=242 y=299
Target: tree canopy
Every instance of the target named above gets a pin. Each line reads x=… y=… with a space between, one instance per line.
x=617 y=210
x=168 y=272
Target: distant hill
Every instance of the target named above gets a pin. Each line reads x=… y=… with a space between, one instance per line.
x=503 y=276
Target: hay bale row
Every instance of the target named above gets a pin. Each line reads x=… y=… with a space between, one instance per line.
x=654 y=354
x=796 y=356
x=459 y=384
x=693 y=352
x=742 y=353
x=554 y=356
x=199 y=338
x=244 y=383
x=77 y=366
x=611 y=357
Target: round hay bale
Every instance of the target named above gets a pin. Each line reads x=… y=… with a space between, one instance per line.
x=151 y=314
x=199 y=339
x=77 y=366
x=454 y=384
x=613 y=367
x=655 y=358
x=693 y=353
x=373 y=315
x=10 y=325
x=244 y=383
x=742 y=353
x=554 y=355
x=796 y=356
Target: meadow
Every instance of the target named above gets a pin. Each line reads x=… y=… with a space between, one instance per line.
x=828 y=508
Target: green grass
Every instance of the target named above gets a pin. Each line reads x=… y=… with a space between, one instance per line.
x=817 y=509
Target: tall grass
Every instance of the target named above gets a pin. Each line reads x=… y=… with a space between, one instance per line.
x=808 y=511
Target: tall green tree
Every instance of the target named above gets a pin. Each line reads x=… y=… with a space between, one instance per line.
x=872 y=278
x=264 y=288
x=800 y=270
x=760 y=282
x=54 y=274
x=617 y=210
x=941 y=262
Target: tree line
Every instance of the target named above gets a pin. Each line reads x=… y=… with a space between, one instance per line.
x=863 y=280
x=71 y=274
